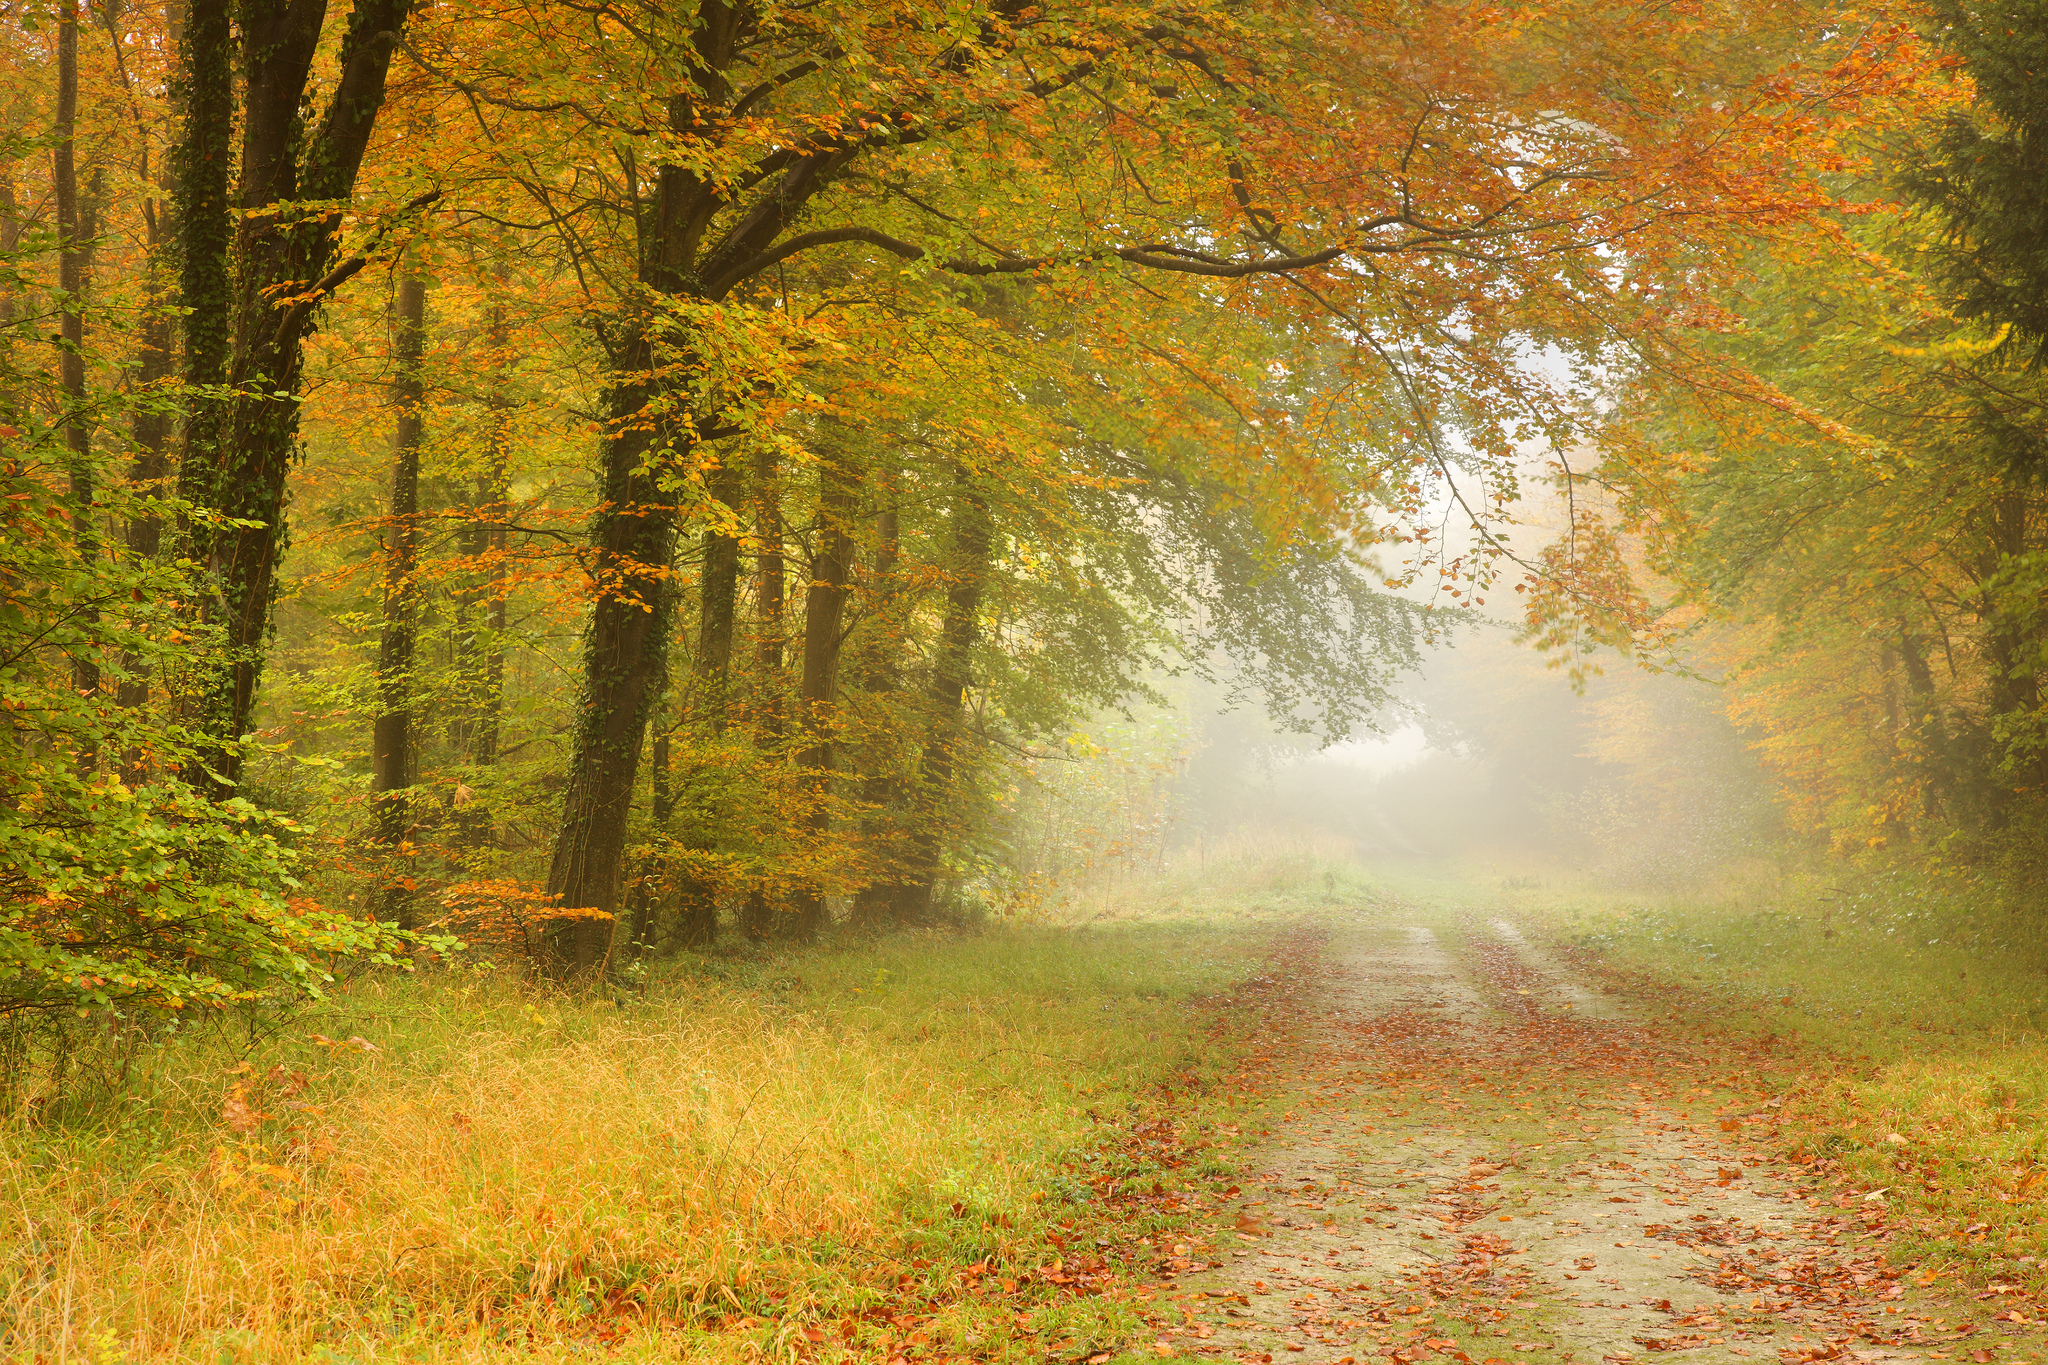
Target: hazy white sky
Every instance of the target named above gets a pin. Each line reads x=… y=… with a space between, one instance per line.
x=1379 y=755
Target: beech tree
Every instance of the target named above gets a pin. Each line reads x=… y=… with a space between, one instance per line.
x=1487 y=179
x=949 y=374
x=259 y=249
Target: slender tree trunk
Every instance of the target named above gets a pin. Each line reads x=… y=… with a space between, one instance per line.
x=711 y=676
x=654 y=873
x=393 y=747
x=824 y=609
x=481 y=607
x=10 y=242
x=719 y=607
x=2014 y=687
x=971 y=542
x=151 y=432
x=2009 y=643
x=150 y=428
x=876 y=903
x=74 y=231
x=757 y=918
x=625 y=654
x=1923 y=711
x=281 y=249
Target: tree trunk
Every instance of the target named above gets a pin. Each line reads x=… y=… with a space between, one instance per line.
x=10 y=242
x=201 y=163
x=393 y=749
x=972 y=537
x=481 y=607
x=757 y=919
x=824 y=608
x=711 y=676
x=654 y=874
x=150 y=428
x=625 y=659
x=151 y=432
x=625 y=653
x=281 y=250
x=75 y=232
x=876 y=903
x=719 y=605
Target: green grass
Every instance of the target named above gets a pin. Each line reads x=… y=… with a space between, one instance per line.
x=1247 y=878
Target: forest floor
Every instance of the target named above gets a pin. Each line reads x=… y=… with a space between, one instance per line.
x=1483 y=1155
x=1276 y=1109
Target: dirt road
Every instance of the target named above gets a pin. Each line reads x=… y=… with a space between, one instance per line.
x=1490 y=1161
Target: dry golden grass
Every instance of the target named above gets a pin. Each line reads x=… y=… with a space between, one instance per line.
x=511 y=1170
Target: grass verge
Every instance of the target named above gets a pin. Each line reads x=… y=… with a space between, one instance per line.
x=923 y=1148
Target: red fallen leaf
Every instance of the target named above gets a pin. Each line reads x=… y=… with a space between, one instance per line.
x=813 y=1334
x=236 y=1113
x=1099 y=1358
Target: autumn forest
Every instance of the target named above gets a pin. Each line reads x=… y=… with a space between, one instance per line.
x=621 y=626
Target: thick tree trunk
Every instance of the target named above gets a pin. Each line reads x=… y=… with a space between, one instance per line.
x=393 y=748
x=75 y=232
x=757 y=918
x=202 y=163
x=625 y=660
x=824 y=609
x=282 y=250
x=971 y=541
